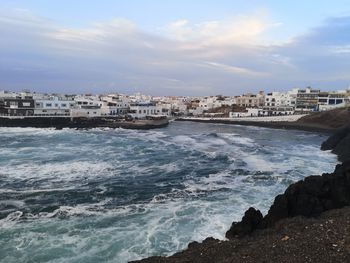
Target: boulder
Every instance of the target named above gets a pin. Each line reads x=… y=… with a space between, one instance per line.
x=250 y=221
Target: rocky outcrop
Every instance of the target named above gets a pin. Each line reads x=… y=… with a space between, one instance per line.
x=251 y=220
x=339 y=143
x=310 y=197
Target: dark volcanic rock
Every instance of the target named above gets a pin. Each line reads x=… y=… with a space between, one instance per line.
x=339 y=143
x=310 y=197
x=250 y=221
x=335 y=139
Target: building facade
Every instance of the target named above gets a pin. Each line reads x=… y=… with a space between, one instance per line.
x=307 y=100
x=140 y=110
x=251 y=100
x=17 y=106
x=53 y=106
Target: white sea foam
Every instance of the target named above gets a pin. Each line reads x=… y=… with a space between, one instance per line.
x=181 y=184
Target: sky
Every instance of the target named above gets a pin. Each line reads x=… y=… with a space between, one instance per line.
x=174 y=47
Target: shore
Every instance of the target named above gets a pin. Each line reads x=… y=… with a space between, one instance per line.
x=325 y=122
x=309 y=222
x=81 y=123
x=293 y=240
x=311 y=127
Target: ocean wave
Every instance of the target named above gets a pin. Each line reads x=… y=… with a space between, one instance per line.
x=115 y=195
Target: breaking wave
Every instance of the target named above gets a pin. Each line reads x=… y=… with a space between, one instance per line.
x=115 y=195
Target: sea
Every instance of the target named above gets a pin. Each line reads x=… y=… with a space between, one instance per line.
x=115 y=195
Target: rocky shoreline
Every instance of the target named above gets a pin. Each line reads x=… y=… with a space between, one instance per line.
x=325 y=122
x=81 y=123
x=309 y=222
x=273 y=125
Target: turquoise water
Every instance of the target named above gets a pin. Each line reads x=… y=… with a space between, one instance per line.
x=118 y=195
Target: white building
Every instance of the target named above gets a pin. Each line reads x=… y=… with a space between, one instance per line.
x=88 y=100
x=163 y=108
x=53 y=106
x=250 y=112
x=281 y=99
x=332 y=100
x=114 y=104
x=207 y=103
x=86 y=112
x=229 y=101
x=141 y=110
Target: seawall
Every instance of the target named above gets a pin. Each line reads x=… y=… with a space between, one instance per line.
x=80 y=123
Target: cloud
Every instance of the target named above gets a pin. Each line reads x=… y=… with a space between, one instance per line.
x=228 y=56
x=236 y=70
x=240 y=29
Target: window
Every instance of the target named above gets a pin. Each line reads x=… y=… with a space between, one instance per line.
x=48 y=105
x=338 y=101
x=26 y=104
x=64 y=105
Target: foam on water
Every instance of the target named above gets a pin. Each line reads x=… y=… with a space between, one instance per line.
x=115 y=195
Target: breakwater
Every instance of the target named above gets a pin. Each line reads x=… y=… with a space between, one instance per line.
x=81 y=123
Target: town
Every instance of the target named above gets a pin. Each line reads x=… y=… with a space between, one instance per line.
x=138 y=106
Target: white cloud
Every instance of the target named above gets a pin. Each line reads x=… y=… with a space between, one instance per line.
x=224 y=56
x=241 y=29
x=236 y=70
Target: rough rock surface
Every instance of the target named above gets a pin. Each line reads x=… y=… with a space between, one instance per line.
x=339 y=143
x=250 y=221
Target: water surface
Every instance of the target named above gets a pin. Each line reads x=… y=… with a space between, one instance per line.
x=117 y=195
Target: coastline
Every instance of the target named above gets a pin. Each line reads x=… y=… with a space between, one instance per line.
x=81 y=123
x=301 y=217
x=311 y=127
